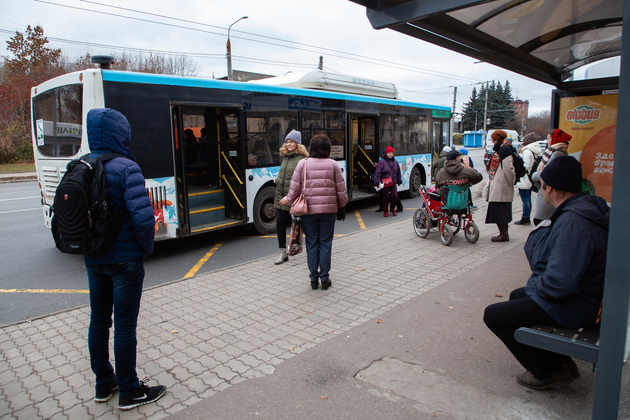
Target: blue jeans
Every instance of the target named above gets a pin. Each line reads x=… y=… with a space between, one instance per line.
x=115 y=288
x=319 y=230
x=526 y=198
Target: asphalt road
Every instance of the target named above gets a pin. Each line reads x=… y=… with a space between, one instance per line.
x=36 y=279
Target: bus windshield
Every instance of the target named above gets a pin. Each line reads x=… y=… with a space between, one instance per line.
x=57 y=118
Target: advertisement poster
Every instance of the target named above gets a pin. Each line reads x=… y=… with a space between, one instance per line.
x=592 y=120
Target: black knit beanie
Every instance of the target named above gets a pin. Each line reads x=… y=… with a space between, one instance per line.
x=563 y=173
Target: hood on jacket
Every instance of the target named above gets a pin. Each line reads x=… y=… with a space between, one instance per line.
x=534 y=147
x=108 y=132
x=590 y=207
x=453 y=167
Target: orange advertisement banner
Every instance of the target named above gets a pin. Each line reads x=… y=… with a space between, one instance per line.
x=592 y=121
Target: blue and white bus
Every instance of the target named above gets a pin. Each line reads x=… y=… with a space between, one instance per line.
x=209 y=149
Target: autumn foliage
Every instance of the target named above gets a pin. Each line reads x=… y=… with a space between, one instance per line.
x=33 y=62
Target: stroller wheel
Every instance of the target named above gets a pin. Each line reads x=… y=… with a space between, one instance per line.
x=471 y=232
x=446 y=234
x=422 y=223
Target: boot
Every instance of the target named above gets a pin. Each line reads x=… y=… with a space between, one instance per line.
x=503 y=234
x=282 y=257
x=524 y=221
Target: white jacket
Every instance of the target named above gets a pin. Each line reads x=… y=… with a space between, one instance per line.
x=529 y=154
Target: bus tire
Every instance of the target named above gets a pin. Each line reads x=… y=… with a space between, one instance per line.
x=415 y=180
x=264 y=212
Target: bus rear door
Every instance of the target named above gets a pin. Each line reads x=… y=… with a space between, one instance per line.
x=208 y=168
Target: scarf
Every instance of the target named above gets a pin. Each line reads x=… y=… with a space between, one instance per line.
x=550 y=150
x=495 y=160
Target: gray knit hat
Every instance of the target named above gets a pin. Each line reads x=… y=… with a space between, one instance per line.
x=295 y=136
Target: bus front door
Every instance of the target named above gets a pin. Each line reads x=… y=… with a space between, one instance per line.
x=364 y=154
x=204 y=179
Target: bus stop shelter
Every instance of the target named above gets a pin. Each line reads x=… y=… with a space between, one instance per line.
x=546 y=40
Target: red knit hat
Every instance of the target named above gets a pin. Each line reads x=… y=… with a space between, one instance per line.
x=389 y=149
x=559 y=136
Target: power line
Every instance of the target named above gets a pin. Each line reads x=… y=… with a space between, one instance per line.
x=358 y=58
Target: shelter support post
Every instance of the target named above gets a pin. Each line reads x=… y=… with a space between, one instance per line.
x=617 y=288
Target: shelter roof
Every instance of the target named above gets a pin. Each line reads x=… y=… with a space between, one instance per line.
x=542 y=39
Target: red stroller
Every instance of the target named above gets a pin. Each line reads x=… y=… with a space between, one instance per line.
x=447 y=216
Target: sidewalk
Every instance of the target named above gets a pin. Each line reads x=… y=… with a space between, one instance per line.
x=397 y=336
x=18 y=177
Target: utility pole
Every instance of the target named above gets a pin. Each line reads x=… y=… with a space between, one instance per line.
x=453 y=114
x=485 y=114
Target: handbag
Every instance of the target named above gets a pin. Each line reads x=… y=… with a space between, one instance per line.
x=295 y=240
x=299 y=207
x=388 y=182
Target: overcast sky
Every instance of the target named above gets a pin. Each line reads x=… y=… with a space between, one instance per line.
x=279 y=36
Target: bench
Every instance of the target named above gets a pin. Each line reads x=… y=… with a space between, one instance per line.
x=579 y=343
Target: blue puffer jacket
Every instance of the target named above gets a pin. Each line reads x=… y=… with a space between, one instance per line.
x=109 y=132
x=567 y=256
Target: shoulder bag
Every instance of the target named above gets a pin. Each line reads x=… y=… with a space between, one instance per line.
x=300 y=206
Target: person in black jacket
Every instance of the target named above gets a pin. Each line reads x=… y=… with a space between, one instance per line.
x=567 y=256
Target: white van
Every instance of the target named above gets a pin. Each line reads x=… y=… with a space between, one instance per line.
x=512 y=135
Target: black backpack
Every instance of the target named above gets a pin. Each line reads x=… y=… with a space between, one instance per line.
x=83 y=219
x=519 y=166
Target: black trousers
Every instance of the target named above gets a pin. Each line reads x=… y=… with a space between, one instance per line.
x=283 y=221
x=521 y=311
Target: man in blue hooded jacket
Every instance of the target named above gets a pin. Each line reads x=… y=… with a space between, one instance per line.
x=567 y=256
x=116 y=274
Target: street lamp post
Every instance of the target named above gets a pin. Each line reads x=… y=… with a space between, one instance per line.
x=229 y=49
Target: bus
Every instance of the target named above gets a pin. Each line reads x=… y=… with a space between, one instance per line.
x=209 y=149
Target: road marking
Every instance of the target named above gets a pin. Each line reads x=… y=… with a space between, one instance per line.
x=43 y=291
x=17 y=211
x=359 y=219
x=19 y=198
x=202 y=261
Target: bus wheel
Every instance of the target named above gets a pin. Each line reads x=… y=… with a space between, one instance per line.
x=264 y=212
x=415 y=180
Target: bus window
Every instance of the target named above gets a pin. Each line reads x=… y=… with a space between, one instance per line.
x=265 y=135
x=57 y=116
x=330 y=123
x=418 y=135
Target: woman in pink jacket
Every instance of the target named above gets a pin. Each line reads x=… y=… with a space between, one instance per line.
x=325 y=192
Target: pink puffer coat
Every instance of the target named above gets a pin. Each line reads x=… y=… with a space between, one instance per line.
x=325 y=188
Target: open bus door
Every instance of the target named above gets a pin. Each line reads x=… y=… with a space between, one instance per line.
x=208 y=167
x=364 y=154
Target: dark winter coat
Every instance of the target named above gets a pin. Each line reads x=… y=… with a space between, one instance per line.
x=454 y=170
x=109 y=132
x=567 y=256
x=287 y=167
x=387 y=167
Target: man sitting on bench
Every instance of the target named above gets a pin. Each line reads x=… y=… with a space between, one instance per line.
x=567 y=256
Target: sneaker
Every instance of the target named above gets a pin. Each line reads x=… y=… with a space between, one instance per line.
x=106 y=394
x=143 y=395
x=326 y=284
x=314 y=285
x=563 y=377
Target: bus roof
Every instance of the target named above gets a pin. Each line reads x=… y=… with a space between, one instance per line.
x=133 y=77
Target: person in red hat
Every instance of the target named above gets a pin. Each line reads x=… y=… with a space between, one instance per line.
x=557 y=146
x=388 y=172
